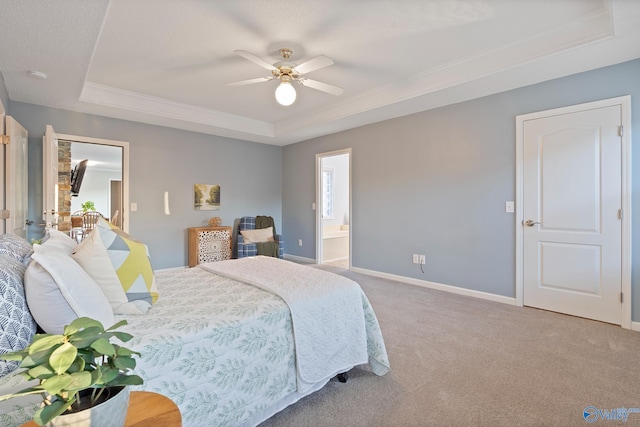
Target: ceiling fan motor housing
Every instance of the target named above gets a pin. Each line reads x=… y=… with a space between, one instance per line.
x=285 y=69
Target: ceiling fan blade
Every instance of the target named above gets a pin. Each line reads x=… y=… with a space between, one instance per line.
x=314 y=84
x=314 y=64
x=250 y=81
x=251 y=57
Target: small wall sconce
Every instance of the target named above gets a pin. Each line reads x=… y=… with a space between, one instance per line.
x=166 y=203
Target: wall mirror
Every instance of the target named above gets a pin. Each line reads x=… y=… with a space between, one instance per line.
x=99 y=182
x=102 y=184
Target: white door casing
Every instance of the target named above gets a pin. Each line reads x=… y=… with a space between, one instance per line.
x=16 y=178
x=50 y=178
x=572 y=171
x=2 y=178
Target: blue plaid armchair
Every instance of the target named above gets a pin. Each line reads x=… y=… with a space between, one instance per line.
x=250 y=249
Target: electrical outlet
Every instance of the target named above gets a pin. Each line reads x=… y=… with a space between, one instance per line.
x=423 y=259
x=415 y=258
x=299 y=242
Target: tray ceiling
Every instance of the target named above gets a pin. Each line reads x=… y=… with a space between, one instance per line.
x=168 y=63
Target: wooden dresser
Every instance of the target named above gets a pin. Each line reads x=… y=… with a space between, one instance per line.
x=207 y=244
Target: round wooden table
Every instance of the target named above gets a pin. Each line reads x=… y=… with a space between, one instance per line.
x=147 y=409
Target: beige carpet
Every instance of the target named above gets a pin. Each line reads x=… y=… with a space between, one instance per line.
x=461 y=361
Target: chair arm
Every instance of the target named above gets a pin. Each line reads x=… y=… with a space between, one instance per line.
x=278 y=238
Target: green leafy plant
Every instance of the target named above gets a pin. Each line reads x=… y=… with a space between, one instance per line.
x=81 y=358
x=88 y=206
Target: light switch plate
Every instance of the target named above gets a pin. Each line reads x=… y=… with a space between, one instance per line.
x=509 y=207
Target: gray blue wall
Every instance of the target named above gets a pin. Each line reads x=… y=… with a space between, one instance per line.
x=435 y=183
x=164 y=159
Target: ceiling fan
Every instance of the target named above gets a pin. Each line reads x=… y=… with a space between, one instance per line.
x=288 y=72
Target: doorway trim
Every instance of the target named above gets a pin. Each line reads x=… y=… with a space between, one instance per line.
x=318 y=203
x=625 y=107
x=125 y=168
x=2 y=178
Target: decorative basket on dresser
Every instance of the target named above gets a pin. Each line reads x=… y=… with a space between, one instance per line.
x=207 y=244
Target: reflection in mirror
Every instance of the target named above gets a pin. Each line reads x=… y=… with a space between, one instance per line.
x=101 y=186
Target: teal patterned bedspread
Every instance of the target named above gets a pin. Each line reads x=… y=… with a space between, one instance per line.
x=222 y=350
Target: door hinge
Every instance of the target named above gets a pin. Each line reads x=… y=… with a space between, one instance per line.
x=5 y=139
x=619 y=213
x=621 y=298
x=5 y=214
x=620 y=130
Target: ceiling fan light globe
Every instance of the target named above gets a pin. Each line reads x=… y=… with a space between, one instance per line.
x=285 y=94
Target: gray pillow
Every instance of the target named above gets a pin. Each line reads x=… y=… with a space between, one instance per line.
x=15 y=246
x=17 y=326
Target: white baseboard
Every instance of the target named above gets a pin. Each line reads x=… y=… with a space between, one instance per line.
x=437 y=286
x=172 y=268
x=635 y=326
x=299 y=259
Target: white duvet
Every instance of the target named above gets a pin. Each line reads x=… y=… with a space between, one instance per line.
x=327 y=310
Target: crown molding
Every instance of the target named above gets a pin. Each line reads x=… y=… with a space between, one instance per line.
x=126 y=100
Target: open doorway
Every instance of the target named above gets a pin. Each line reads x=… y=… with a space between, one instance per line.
x=333 y=235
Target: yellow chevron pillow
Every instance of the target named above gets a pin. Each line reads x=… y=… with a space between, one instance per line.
x=122 y=269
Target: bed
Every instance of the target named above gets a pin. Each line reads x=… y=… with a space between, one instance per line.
x=230 y=352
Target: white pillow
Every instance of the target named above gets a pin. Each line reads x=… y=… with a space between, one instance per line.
x=60 y=240
x=58 y=291
x=258 y=235
x=122 y=269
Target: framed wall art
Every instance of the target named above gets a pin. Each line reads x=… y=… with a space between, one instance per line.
x=206 y=197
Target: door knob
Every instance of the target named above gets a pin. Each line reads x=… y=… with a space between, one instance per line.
x=530 y=223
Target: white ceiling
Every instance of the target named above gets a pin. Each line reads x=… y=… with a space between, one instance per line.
x=168 y=62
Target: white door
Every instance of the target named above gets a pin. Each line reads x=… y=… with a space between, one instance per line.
x=50 y=178
x=16 y=178
x=572 y=201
